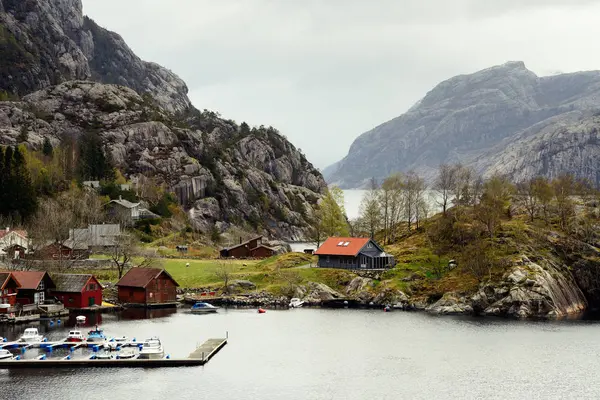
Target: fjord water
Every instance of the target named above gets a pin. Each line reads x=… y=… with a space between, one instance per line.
x=338 y=354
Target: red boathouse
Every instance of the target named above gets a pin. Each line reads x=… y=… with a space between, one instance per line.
x=147 y=286
x=8 y=289
x=77 y=290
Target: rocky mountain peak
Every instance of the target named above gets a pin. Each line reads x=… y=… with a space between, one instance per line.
x=474 y=119
x=49 y=42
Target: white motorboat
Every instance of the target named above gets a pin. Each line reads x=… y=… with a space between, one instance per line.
x=31 y=335
x=296 y=303
x=6 y=355
x=81 y=319
x=152 y=348
x=126 y=355
x=113 y=343
x=203 y=308
x=103 y=356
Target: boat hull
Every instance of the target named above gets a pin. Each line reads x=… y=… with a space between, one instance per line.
x=204 y=311
x=151 y=356
x=74 y=340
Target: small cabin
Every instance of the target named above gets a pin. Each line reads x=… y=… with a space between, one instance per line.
x=253 y=248
x=8 y=289
x=147 y=286
x=353 y=253
x=35 y=286
x=77 y=290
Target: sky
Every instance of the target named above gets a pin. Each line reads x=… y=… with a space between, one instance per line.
x=325 y=71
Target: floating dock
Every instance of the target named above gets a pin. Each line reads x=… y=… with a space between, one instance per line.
x=197 y=358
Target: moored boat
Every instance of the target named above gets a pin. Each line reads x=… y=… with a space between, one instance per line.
x=31 y=335
x=126 y=355
x=203 y=308
x=80 y=319
x=151 y=349
x=96 y=335
x=6 y=355
x=75 y=336
x=103 y=356
x=296 y=303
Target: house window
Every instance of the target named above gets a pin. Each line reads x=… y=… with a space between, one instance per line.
x=70 y=299
x=41 y=287
x=92 y=286
x=370 y=245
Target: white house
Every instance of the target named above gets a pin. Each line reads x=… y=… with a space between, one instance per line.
x=10 y=238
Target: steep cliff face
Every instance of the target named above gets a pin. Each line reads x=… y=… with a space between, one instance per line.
x=224 y=174
x=493 y=120
x=45 y=43
x=75 y=77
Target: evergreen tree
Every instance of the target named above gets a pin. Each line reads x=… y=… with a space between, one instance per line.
x=93 y=163
x=8 y=183
x=3 y=194
x=24 y=198
x=47 y=148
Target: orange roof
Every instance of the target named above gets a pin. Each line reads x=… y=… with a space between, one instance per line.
x=21 y=233
x=29 y=279
x=342 y=246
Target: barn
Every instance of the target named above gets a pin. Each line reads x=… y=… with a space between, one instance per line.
x=77 y=290
x=253 y=248
x=150 y=287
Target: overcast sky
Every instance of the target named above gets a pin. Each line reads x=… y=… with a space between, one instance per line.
x=325 y=71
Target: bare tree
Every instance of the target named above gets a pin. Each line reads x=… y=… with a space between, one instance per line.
x=564 y=187
x=122 y=252
x=370 y=213
x=444 y=184
x=529 y=197
x=414 y=187
x=223 y=273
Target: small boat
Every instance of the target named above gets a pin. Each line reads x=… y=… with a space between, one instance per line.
x=113 y=343
x=152 y=348
x=296 y=303
x=75 y=336
x=262 y=311
x=81 y=319
x=6 y=355
x=96 y=335
x=203 y=308
x=31 y=335
x=103 y=356
x=126 y=355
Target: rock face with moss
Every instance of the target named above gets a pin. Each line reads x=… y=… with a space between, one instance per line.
x=74 y=77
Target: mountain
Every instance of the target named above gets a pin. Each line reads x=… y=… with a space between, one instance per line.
x=66 y=76
x=503 y=119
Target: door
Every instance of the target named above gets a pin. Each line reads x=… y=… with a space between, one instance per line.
x=91 y=301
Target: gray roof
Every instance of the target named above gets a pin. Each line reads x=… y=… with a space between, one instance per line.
x=79 y=239
x=145 y=213
x=124 y=203
x=70 y=283
x=104 y=235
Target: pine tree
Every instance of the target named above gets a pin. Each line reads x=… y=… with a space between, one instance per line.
x=24 y=198
x=47 y=148
x=93 y=163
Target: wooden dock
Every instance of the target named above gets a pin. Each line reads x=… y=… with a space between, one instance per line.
x=199 y=357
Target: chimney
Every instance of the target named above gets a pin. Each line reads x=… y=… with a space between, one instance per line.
x=240 y=238
x=7 y=229
x=120 y=197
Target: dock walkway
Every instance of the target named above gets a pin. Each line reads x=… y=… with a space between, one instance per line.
x=197 y=358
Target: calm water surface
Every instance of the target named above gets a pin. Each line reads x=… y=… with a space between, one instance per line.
x=338 y=354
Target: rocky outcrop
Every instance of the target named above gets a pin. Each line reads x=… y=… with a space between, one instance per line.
x=315 y=293
x=45 y=43
x=503 y=119
x=205 y=160
x=527 y=290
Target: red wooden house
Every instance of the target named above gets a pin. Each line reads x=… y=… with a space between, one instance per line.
x=8 y=290
x=147 y=286
x=77 y=290
x=35 y=286
x=253 y=248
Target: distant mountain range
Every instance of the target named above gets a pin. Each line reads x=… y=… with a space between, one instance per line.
x=503 y=119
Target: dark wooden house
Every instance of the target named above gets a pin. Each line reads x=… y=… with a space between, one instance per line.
x=253 y=248
x=62 y=251
x=9 y=286
x=353 y=253
x=77 y=290
x=35 y=286
x=148 y=286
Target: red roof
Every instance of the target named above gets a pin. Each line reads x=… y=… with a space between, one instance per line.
x=141 y=277
x=29 y=279
x=342 y=246
x=3 y=233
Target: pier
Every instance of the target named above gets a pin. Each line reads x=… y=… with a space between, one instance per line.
x=198 y=357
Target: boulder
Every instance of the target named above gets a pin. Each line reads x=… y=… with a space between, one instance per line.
x=451 y=304
x=318 y=292
x=241 y=285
